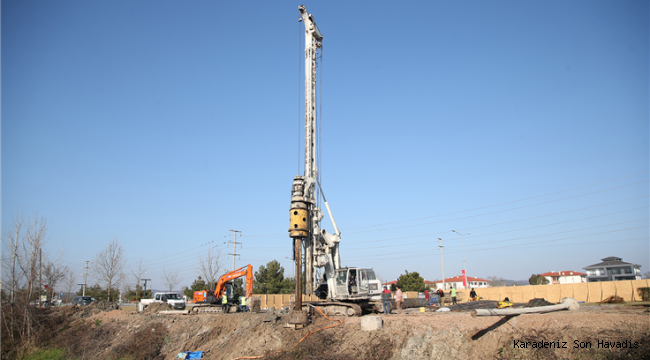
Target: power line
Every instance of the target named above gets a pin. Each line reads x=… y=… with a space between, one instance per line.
x=539 y=246
x=534 y=236
x=514 y=201
x=512 y=221
x=495 y=212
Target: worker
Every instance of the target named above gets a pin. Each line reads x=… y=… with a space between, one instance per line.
x=426 y=294
x=242 y=304
x=385 y=297
x=453 y=296
x=399 y=299
x=472 y=294
x=352 y=285
x=224 y=304
x=434 y=301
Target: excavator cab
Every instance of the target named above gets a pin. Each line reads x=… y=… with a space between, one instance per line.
x=229 y=291
x=351 y=282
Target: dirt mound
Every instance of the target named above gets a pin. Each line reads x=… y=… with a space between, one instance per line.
x=613 y=300
x=155 y=307
x=538 y=302
x=94 y=308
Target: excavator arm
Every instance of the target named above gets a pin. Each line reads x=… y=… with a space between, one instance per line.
x=224 y=279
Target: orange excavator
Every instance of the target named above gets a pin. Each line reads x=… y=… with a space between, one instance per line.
x=211 y=301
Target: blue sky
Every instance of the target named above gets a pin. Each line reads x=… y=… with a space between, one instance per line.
x=165 y=124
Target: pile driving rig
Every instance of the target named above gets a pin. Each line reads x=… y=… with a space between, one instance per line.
x=346 y=290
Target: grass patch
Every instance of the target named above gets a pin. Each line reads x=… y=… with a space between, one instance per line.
x=49 y=354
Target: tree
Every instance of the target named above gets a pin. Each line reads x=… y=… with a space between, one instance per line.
x=496 y=281
x=24 y=241
x=411 y=282
x=109 y=264
x=137 y=294
x=52 y=276
x=138 y=274
x=537 y=280
x=99 y=293
x=646 y=275
x=70 y=281
x=198 y=285
x=211 y=265
x=171 y=279
x=270 y=279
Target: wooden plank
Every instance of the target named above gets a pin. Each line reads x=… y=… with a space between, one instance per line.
x=566 y=290
x=609 y=288
x=541 y=291
x=528 y=293
x=581 y=291
x=553 y=293
x=636 y=284
x=624 y=289
x=595 y=292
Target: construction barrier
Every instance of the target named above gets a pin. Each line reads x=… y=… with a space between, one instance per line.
x=588 y=292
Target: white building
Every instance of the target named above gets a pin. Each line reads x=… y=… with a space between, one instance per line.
x=612 y=269
x=565 y=277
x=456 y=282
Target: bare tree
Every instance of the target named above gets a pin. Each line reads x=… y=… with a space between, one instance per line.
x=211 y=265
x=138 y=274
x=13 y=238
x=496 y=281
x=52 y=276
x=24 y=241
x=109 y=264
x=70 y=283
x=171 y=279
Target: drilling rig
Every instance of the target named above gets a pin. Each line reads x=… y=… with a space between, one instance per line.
x=347 y=290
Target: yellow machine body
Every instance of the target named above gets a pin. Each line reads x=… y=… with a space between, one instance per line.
x=299 y=226
x=504 y=304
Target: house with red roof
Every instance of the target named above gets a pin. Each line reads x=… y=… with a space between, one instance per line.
x=427 y=283
x=456 y=282
x=565 y=277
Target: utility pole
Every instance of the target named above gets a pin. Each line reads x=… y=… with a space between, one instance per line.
x=40 y=274
x=234 y=247
x=145 y=287
x=442 y=263
x=83 y=292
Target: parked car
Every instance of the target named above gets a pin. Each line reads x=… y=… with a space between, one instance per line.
x=83 y=300
x=171 y=298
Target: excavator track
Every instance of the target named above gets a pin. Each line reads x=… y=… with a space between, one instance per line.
x=333 y=308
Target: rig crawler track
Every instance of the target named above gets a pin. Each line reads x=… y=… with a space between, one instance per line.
x=332 y=308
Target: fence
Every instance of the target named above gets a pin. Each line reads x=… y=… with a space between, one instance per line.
x=588 y=292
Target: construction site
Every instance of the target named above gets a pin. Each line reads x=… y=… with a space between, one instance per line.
x=343 y=312
x=100 y=331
